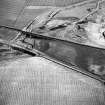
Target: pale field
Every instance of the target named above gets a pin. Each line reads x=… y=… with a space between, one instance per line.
x=37 y=81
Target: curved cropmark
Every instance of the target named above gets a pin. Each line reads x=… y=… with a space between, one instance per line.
x=37 y=81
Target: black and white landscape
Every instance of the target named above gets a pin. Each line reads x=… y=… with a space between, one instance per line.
x=27 y=80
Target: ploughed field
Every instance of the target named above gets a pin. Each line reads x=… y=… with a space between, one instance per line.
x=35 y=80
